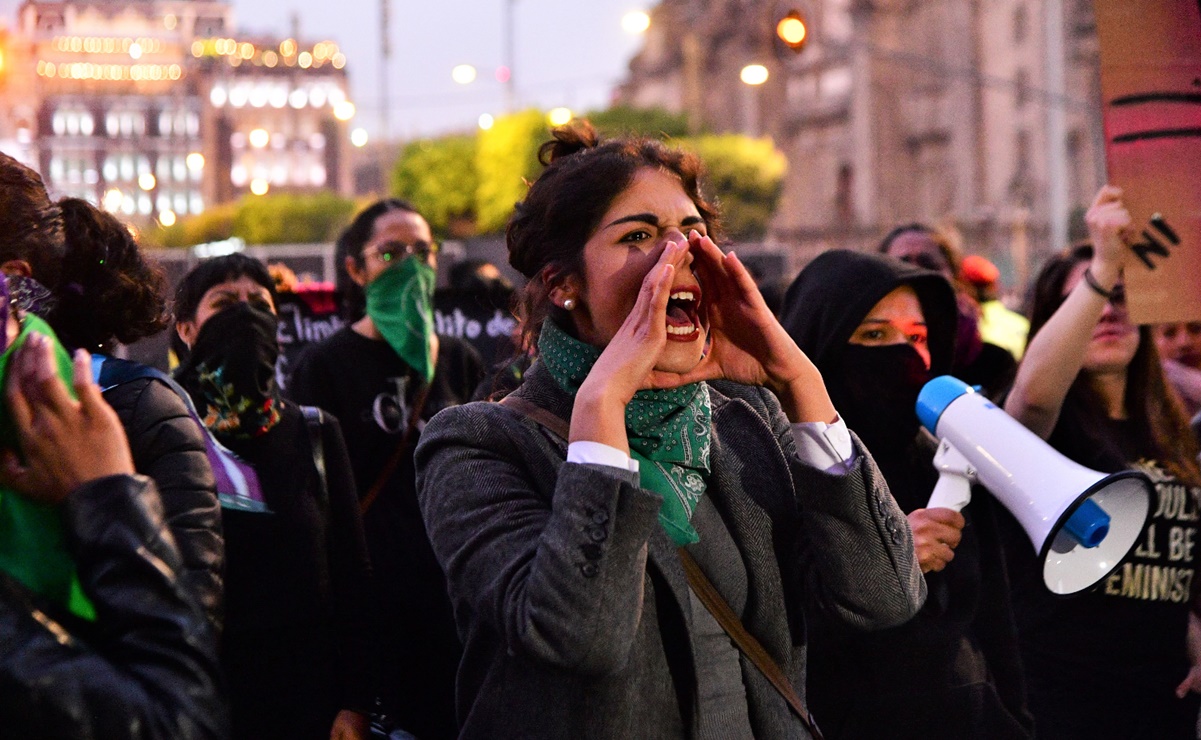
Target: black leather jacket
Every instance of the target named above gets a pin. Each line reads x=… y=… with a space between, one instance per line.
x=167 y=446
x=147 y=667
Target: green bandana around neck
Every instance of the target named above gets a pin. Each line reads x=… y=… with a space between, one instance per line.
x=669 y=431
x=33 y=543
x=400 y=302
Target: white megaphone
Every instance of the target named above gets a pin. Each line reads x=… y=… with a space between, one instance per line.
x=1082 y=522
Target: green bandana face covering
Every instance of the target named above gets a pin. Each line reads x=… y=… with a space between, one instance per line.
x=668 y=431
x=400 y=303
x=33 y=546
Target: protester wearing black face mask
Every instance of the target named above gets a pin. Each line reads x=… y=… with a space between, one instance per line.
x=298 y=649
x=878 y=329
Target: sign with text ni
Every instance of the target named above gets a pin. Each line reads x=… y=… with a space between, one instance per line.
x=1151 y=91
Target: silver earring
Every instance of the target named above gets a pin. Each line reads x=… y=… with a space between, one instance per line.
x=568 y=304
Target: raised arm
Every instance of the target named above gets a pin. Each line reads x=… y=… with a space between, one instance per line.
x=1055 y=355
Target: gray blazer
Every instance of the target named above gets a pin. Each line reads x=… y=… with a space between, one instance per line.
x=571 y=601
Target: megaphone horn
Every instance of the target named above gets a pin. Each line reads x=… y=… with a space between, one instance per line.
x=1082 y=522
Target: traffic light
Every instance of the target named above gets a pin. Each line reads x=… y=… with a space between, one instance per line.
x=793 y=31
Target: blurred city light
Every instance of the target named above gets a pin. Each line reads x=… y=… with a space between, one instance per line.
x=753 y=74
x=112 y=200
x=464 y=74
x=358 y=137
x=486 y=121
x=635 y=22
x=344 y=111
x=195 y=161
x=559 y=116
x=259 y=186
x=259 y=138
x=146 y=181
x=167 y=218
x=792 y=30
x=503 y=74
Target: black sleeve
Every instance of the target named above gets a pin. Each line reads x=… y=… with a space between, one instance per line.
x=355 y=605
x=169 y=447
x=149 y=668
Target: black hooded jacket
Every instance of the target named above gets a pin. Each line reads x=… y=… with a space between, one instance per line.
x=952 y=671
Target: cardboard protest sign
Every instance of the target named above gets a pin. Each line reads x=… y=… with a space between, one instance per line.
x=1151 y=90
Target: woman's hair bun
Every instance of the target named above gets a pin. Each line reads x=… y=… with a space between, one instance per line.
x=568 y=140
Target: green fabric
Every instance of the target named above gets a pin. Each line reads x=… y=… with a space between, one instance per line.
x=400 y=303
x=669 y=431
x=33 y=544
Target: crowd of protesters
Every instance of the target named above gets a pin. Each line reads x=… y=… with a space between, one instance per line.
x=662 y=507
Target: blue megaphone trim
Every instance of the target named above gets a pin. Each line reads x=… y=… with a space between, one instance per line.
x=936 y=396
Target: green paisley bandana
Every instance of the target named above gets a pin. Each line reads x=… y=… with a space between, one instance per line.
x=400 y=303
x=668 y=431
x=33 y=545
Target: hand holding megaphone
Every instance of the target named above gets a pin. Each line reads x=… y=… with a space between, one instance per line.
x=1082 y=522
x=936 y=533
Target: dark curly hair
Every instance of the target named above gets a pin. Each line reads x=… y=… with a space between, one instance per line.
x=351 y=242
x=31 y=224
x=1158 y=418
x=107 y=292
x=564 y=206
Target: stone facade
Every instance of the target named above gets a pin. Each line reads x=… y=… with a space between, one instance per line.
x=896 y=111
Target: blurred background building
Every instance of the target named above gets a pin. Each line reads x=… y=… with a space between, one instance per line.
x=156 y=109
x=981 y=117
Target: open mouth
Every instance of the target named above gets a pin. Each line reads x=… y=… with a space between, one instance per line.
x=683 y=313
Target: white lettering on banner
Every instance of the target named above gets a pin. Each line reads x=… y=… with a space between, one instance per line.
x=1176 y=502
x=1162 y=540
x=458 y=324
x=1180 y=543
x=294 y=326
x=1151 y=583
x=1147 y=548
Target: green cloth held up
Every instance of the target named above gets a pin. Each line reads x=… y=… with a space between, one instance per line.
x=33 y=544
x=668 y=430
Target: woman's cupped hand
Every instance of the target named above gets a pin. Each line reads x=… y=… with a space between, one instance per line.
x=746 y=343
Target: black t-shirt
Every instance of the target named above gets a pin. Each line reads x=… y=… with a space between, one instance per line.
x=372 y=390
x=1106 y=662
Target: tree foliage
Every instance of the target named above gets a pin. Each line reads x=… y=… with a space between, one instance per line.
x=271 y=219
x=467 y=184
x=625 y=121
x=507 y=157
x=439 y=177
x=745 y=176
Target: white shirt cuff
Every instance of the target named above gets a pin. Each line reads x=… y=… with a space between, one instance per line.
x=827 y=447
x=597 y=453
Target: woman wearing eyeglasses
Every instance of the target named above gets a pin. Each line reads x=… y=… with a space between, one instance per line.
x=1112 y=662
x=382 y=376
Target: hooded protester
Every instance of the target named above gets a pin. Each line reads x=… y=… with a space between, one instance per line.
x=878 y=329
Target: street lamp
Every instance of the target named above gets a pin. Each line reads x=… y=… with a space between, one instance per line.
x=559 y=116
x=752 y=75
x=464 y=74
x=635 y=22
